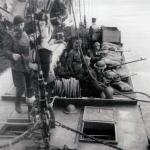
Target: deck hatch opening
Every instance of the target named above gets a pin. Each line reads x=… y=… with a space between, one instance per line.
x=98 y=122
x=99 y=130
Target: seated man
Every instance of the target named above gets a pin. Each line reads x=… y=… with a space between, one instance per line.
x=95 y=54
x=74 y=61
x=99 y=81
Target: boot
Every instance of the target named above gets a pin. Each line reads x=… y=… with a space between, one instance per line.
x=18 y=107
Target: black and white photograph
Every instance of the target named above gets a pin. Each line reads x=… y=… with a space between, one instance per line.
x=74 y=75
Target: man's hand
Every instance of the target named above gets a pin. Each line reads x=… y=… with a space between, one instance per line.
x=16 y=56
x=33 y=66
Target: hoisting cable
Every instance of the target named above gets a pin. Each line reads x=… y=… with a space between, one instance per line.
x=93 y=78
x=84 y=13
x=20 y=137
x=85 y=135
x=45 y=7
x=80 y=11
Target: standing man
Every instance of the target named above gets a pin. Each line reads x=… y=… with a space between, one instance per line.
x=45 y=53
x=94 y=32
x=16 y=49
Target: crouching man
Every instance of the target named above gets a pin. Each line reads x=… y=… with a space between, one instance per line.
x=99 y=82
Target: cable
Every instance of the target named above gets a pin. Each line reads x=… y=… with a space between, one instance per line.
x=83 y=134
x=80 y=11
x=85 y=23
x=20 y=137
x=142 y=93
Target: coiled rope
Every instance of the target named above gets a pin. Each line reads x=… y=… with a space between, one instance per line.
x=67 y=87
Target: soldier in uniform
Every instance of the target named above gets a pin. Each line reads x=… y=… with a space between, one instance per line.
x=95 y=54
x=16 y=49
x=102 y=88
x=74 y=61
x=94 y=32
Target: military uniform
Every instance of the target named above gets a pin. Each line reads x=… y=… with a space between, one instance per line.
x=20 y=68
x=74 y=62
x=95 y=54
x=100 y=82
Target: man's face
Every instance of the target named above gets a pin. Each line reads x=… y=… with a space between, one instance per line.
x=42 y=24
x=19 y=27
x=76 y=45
x=97 y=47
x=99 y=70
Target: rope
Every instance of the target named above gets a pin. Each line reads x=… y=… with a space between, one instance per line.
x=80 y=10
x=67 y=87
x=20 y=137
x=84 y=13
x=83 y=134
x=142 y=93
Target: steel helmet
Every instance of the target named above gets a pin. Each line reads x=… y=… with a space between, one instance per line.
x=17 y=20
x=96 y=44
x=100 y=65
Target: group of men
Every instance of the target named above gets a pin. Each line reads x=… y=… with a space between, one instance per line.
x=96 y=76
x=16 y=48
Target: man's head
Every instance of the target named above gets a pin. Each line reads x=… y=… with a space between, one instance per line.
x=97 y=45
x=93 y=20
x=42 y=19
x=18 y=26
x=77 y=44
x=100 y=66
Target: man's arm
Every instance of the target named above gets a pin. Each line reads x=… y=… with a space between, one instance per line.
x=69 y=62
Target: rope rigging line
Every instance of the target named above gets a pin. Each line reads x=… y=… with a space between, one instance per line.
x=85 y=23
x=80 y=10
x=93 y=78
x=88 y=136
x=20 y=137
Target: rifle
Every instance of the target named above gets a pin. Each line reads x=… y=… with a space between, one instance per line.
x=129 y=62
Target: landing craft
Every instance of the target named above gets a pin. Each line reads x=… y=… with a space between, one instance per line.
x=72 y=115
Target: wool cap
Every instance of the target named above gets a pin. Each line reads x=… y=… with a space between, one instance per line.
x=100 y=65
x=17 y=20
